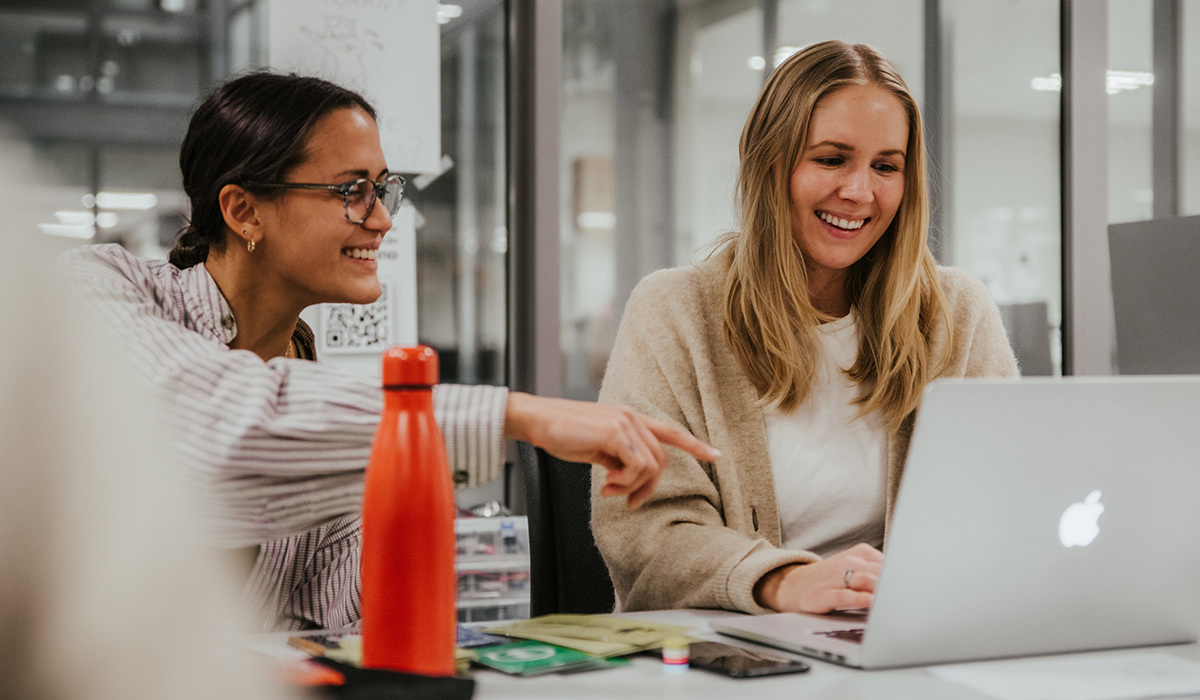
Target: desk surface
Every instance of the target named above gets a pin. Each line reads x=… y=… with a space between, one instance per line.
x=645 y=677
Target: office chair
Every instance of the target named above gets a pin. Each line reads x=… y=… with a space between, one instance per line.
x=567 y=574
x=1028 y=327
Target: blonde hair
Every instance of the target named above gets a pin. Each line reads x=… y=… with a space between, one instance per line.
x=770 y=322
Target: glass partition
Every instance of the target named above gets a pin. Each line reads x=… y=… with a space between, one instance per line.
x=98 y=95
x=1003 y=166
x=1189 y=81
x=1130 y=88
x=649 y=150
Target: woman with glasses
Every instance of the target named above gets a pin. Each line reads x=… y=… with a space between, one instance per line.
x=800 y=349
x=290 y=197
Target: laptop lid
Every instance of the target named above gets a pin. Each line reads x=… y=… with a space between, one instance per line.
x=1038 y=516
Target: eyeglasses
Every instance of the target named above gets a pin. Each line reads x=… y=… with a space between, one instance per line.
x=358 y=196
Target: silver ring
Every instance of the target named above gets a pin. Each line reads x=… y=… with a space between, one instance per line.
x=846 y=577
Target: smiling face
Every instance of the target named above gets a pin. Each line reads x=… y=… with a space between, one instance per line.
x=847 y=185
x=315 y=254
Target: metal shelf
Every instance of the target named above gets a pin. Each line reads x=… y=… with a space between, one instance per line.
x=488 y=563
x=473 y=603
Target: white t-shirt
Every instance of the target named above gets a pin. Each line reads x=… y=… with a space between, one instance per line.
x=830 y=467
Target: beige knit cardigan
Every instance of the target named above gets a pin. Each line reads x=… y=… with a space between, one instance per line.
x=711 y=530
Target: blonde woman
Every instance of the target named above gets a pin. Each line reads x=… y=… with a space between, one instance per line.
x=799 y=349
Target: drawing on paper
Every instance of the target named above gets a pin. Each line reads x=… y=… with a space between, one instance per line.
x=344 y=48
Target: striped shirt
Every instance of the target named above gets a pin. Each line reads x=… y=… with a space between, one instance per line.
x=274 y=452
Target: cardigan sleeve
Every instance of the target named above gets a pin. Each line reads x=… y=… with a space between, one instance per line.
x=680 y=548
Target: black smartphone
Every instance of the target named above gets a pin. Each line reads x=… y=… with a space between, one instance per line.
x=740 y=663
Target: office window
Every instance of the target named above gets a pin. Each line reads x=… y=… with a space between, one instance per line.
x=721 y=71
x=895 y=29
x=1189 y=81
x=1130 y=106
x=100 y=94
x=462 y=239
x=649 y=159
x=154 y=53
x=613 y=196
x=1002 y=172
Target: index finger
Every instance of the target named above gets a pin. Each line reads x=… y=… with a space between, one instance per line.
x=676 y=436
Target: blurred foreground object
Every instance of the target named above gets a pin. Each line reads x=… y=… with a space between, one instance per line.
x=104 y=591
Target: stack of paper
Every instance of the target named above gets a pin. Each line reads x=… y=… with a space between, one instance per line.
x=347 y=648
x=599 y=636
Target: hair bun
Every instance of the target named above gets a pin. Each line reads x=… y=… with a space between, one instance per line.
x=189 y=249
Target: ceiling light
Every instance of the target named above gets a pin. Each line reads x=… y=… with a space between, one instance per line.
x=68 y=230
x=1115 y=81
x=597 y=219
x=783 y=53
x=126 y=200
x=756 y=63
x=445 y=13
x=1053 y=83
x=75 y=218
x=1119 y=80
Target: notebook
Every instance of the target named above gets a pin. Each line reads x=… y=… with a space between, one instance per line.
x=1034 y=517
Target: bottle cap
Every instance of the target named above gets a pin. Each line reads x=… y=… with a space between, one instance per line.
x=410 y=366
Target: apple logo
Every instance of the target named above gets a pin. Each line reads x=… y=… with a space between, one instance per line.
x=1078 y=526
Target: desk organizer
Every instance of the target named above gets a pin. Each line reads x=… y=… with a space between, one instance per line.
x=493 y=568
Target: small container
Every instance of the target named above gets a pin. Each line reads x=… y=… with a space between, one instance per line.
x=508 y=537
x=675 y=654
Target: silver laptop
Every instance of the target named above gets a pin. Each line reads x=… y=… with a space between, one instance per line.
x=1034 y=517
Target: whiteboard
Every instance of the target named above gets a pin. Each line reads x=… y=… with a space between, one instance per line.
x=388 y=50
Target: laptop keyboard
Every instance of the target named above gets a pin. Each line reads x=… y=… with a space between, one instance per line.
x=854 y=635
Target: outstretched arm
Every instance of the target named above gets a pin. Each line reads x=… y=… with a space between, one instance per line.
x=626 y=443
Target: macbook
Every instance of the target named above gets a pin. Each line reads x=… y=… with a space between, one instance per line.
x=1034 y=516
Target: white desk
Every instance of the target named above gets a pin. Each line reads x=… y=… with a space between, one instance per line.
x=645 y=677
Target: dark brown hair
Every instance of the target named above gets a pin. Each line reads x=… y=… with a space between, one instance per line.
x=251 y=129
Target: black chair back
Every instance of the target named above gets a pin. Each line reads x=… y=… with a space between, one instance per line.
x=567 y=574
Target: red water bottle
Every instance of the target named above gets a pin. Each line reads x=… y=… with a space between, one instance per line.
x=408 y=579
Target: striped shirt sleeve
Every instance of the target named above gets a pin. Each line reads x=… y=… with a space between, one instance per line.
x=270 y=449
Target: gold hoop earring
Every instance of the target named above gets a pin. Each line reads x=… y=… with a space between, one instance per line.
x=249 y=244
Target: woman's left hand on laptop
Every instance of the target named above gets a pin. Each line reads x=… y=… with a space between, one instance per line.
x=843 y=581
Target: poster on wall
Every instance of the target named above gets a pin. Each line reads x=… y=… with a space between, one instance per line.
x=386 y=49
